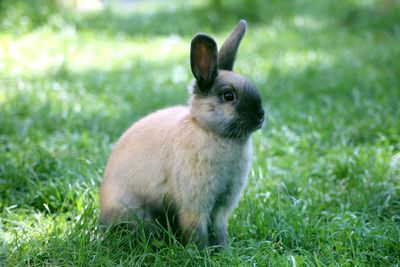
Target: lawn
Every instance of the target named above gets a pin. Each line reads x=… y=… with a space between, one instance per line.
x=324 y=189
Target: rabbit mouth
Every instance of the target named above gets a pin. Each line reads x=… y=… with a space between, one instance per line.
x=253 y=123
x=260 y=123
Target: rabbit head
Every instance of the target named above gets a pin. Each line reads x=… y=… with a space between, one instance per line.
x=223 y=102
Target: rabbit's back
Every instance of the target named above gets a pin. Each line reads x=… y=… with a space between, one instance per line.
x=137 y=167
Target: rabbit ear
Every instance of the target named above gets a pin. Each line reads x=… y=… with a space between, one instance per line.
x=227 y=53
x=204 y=59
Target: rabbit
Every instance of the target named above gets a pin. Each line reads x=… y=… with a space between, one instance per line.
x=191 y=162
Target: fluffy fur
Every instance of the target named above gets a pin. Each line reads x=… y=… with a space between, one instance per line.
x=189 y=162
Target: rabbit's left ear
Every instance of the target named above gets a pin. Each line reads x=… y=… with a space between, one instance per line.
x=204 y=60
x=227 y=53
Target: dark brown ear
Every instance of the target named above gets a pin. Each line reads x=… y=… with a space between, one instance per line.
x=227 y=53
x=204 y=60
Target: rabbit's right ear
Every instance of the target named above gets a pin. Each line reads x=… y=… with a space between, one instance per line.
x=228 y=51
x=204 y=60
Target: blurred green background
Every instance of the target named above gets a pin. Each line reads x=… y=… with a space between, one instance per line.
x=324 y=188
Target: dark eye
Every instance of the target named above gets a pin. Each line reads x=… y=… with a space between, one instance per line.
x=229 y=96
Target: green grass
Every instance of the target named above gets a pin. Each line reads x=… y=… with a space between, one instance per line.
x=324 y=189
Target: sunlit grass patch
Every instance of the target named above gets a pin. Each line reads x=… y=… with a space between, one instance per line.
x=45 y=52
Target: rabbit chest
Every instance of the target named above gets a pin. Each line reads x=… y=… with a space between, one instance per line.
x=209 y=169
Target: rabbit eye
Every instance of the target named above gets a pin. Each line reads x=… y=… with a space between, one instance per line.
x=229 y=96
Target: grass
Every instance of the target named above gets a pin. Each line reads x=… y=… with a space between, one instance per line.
x=324 y=189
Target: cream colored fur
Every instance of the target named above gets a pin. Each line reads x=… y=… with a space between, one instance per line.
x=192 y=161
